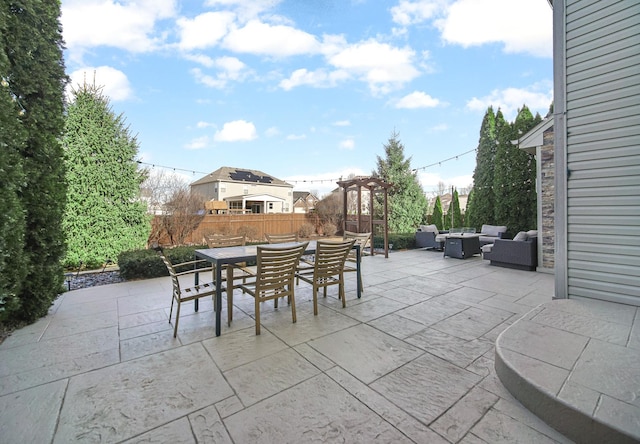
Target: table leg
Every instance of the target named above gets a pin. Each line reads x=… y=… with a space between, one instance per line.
x=358 y=272
x=218 y=307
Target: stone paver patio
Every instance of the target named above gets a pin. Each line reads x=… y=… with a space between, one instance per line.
x=412 y=361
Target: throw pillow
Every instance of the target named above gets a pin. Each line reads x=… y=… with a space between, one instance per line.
x=521 y=236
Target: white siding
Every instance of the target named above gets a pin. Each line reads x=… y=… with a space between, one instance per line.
x=602 y=70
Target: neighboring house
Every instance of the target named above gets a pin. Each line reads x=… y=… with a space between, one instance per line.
x=246 y=190
x=539 y=142
x=597 y=149
x=304 y=202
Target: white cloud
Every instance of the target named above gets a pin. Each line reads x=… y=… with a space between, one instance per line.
x=382 y=66
x=129 y=25
x=202 y=124
x=236 y=131
x=273 y=40
x=347 y=144
x=409 y=13
x=198 y=143
x=229 y=69
x=417 y=99
x=114 y=83
x=537 y=98
x=272 y=132
x=317 y=79
x=245 y=9
x=439 y=128
x=521 y=26
x=204 y=30
x=342 y=123
x=296 y=136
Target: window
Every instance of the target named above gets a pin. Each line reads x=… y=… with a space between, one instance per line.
x=236 y=205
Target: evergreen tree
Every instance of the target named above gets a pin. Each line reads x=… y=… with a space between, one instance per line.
x=483 y=210
x=469 y=211
x=104 y=214
x=32 y=45
x=12 y=219
x=515 y=176
x=406 y=199
x=437 y=216
x=455 y=215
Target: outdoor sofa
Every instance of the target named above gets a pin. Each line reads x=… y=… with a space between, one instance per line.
x=520 y=253
x=489 y=233
x=426 y=237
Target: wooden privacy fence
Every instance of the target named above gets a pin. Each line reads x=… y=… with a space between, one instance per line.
x=257 y=224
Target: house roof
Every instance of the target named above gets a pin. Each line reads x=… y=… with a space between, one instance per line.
x=240 y=175
x=303 y=195
x=534 y=138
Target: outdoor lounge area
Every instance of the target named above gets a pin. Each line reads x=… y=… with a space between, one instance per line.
x=414 y=360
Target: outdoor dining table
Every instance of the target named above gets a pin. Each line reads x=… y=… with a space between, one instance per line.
x=248 y=253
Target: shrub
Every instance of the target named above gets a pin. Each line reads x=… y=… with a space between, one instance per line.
x=329 y=228
x=250 y=233
x=306 y=230
x=145 y=264
x=400 y=241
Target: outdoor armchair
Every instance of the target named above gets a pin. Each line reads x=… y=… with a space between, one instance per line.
x=275 y=276
x=182 y=293
x=362 y=239
x=328 y=269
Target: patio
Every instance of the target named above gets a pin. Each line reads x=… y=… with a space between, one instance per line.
x=412 y=361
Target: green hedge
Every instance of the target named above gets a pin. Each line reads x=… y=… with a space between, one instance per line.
x=145 y=264
x=400 y=241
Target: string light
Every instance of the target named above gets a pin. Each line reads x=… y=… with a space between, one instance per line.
x=194 y=172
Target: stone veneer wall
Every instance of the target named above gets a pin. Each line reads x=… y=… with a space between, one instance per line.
x=547 y=186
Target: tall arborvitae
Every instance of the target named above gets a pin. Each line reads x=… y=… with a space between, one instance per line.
x=12 y=218
x=104 y=215
x=33 y=45
x=437 y=217
x=515 y=176
x=455 y=215
x=483 y=208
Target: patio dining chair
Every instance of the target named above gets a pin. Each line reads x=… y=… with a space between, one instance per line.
x=275 y=276
x=235 y=272
x=328 y=269
x=362 y=239
x=182 y=294
x=281 y=238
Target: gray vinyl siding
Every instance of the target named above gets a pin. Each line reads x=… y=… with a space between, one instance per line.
x=602 y=50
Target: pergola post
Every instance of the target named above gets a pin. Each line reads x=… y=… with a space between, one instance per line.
x=373 y=185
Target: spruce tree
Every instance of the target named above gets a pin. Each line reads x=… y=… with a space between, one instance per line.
x=406 y=200
x=104 y=214
x=32 y=44
x=483 y=207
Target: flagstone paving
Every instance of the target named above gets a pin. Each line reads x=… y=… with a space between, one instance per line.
x=412 y=361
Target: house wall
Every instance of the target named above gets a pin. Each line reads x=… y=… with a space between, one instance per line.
x=546 y=195
x=224 y=189
x=597 y=125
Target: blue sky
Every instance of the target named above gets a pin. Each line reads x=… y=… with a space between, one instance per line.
x=309 y=91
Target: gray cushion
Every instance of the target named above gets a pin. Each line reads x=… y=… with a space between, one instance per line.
x=521 y=236
x=430 y=228
x=532 y=233
x=493 y=230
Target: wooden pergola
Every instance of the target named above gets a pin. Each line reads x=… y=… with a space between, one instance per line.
x=357 y=223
